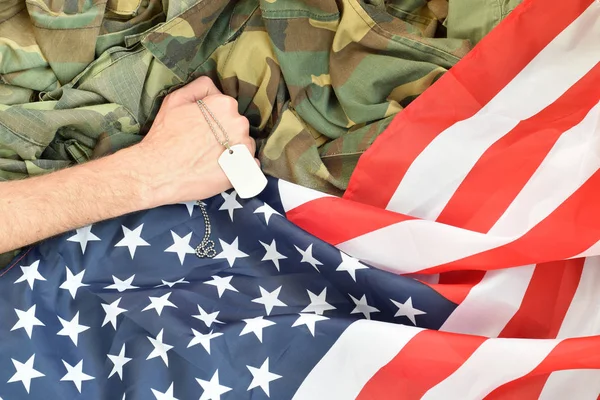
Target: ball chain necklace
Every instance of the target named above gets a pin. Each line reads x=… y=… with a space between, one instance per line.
x=240 y=168
x=206 y=248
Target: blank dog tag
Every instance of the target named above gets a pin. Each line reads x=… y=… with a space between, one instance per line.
x=242 y=171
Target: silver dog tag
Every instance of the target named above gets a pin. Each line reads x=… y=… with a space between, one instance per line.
x=242 y=171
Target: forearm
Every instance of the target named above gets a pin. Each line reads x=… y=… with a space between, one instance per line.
x=176 y=161
x=41 y=207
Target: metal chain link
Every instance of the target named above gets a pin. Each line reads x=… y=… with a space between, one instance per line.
x=206 y=248
x=205 y=112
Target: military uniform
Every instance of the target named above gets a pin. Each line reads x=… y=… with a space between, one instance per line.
x=318 y=80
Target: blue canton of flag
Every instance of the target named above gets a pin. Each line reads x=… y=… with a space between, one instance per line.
x=124 y=309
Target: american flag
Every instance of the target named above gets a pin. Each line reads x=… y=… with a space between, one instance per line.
x=462 y=262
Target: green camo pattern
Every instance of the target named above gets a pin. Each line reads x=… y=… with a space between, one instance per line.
x=319 y=80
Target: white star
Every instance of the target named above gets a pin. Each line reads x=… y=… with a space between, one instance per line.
x=309 y=320
x=231 y=252
x=73 y=282
x=267 y=210
x=122 y=286
x=222 y=284
x=190 y=206
x=158 y=303
x=118 y=361
x=207 y=318
x=27 y=320
x=160 y=348
x=406 y=309
x=212 y=389
x=203 y=339
x=83 y=236
x=272 y=254
x=168 y=395
x=307 y=257
x=269 y=300
x=262 y=377
x=230 y=203
x=256 y=326
x=25 y=372
x=181 y=246
x=72 y=328
x=171 y=284
x=112 y=311
x=76 y=375
x=31 y=274
x=363 y=307
x=351 y=265
x=132 y=239
x=318 y=304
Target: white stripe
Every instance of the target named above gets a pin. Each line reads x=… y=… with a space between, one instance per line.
x=494 y=363
x=582 y=319
x=363 y=348
x=435 y=175
x=572 y=385
x=492 y=303
x=574 y=158
x=293 y=195
x=414 y=245
x=583 y=316
x=430 y=279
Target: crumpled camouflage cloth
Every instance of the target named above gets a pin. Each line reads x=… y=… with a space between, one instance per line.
x=319 y=80
x=473 y=19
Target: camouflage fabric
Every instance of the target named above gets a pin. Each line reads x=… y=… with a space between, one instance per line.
x=318 y=79
x=473 y=19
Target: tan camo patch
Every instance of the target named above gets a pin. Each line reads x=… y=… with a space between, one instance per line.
x=289 y=127
x=321 y=80
x=123 y=7
x=243 y=65
x=181 y=27
x=354 y=25
x=416 y=87
x=329 y=25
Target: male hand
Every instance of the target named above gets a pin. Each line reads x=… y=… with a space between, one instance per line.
x=178 y=157
x=177 y=161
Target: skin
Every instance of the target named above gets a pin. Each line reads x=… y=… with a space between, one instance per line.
x=175 y=162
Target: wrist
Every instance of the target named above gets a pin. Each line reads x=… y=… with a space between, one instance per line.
x=148 y=177
x=125 y=173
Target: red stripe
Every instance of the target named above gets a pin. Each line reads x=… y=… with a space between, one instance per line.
x=336 y=220
x=426 y=360
x=546 y=300
x=504 y=169
x=528 y=388
x=576 y=353
x=571 y=229
x=458 y=95
x=456 y=285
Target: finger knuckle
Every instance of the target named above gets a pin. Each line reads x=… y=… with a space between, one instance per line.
x=221 y=101
x=249 y=141
x=231 y=103
x=169 y=98
x=205 y=80
x=174 y=96
x=243 y=123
